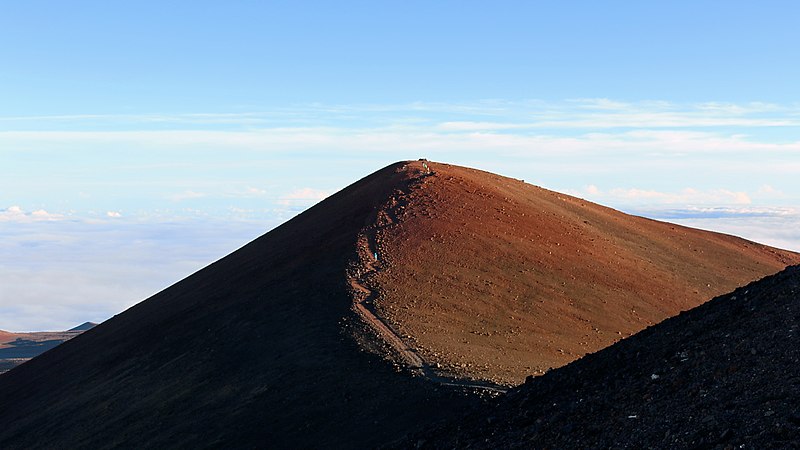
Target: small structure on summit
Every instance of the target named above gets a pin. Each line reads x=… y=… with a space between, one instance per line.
x=427 y=170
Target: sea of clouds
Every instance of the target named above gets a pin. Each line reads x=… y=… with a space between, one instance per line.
x=57 y=272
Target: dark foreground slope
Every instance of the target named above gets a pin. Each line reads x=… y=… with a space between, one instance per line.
x=723 y=375
x=252 y=351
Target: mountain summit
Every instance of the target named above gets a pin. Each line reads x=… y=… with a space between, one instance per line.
x=463 y=279
x=495 y=279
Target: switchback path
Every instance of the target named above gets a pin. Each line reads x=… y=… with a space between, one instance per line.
x=363 y=305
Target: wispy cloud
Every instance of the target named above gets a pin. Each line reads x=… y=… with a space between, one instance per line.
x=693 y=200
x=591 y=113
x=248 y=192
x=17 y=214
x=303 y=197
x=255 y=191
x=603 y=104
x=473 y=138
x=186 y=195
x=686 y=196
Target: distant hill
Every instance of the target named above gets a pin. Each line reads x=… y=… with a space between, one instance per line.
x=384 y=307
x=17 y=348
x=723 y=375
x=84 y=326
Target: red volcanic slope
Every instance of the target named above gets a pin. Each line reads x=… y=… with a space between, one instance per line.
x=495 y=279
x=476 y=275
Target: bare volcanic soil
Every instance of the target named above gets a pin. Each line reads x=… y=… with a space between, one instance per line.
x=723 y=375
x=490 y=278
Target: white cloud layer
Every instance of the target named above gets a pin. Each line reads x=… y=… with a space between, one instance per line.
x=58 y=274
x=687 y=196
x=55 y=275
x=780 y=230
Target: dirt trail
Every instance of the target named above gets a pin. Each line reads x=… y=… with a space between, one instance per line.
x=364 y=298
x=406 y=353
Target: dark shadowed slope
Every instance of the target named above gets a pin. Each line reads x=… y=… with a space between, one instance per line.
x=252 y=351
x=495 y=279
x=723 y=375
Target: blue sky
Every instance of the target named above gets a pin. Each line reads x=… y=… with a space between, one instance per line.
x=121 y=123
